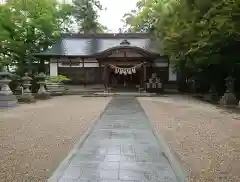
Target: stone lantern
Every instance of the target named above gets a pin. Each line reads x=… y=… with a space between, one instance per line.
x=229 y=99
x=42 y=93
x=7 y=99
x=27 y=94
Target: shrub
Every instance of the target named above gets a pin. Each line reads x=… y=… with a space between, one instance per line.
x=57 y=79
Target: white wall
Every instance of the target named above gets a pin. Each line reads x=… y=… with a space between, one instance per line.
x=91 y=65
x=172 y=75
x=53 y=69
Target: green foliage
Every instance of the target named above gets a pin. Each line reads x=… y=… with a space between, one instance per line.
x=86 y=15
x=57 y=79
x=28 y=27
x=199 y=36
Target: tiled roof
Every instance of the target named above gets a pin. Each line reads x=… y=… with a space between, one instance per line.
x=92 y=45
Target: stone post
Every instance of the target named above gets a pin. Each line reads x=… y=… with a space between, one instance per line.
x=27 y=94
x=7 y=99
x=42 y=93
x=229 y=99
x=18 y=90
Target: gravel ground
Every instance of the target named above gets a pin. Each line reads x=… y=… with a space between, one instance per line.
x=206 y=140
x=35 y=138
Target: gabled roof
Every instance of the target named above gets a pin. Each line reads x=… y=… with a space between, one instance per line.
x=87 y=45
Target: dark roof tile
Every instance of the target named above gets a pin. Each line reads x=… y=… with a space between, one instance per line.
x=90 y=45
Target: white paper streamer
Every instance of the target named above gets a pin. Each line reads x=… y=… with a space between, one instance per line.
x=125 y=71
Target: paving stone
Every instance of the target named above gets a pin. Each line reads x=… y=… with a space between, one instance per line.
x=99 y=174
x=143 y=166
x=121 y=148
x=113 y=158
x=73 y=172
x=65 y=179
x=99 y=180
x=110 y=166
x=130 y=175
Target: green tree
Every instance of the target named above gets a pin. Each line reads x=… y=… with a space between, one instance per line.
x=29 y=27
x=199 y=36
x=86 y=15
x=128 y=20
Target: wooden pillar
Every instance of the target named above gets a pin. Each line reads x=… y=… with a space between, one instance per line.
x=105 y=75
x=144 y=75
x=141 y=77
x=84 y=74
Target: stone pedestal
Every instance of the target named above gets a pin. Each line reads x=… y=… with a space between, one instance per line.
x=229 y=99
x=26 y=96
x=238 y=106
x=56 y=88
x=42 y=93
x=207 y=97
x=7 y=99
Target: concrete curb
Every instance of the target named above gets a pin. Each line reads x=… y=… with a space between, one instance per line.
x=177 y=168
x=57 y=174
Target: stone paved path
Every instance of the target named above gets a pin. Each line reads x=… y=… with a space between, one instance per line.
x=121 y=148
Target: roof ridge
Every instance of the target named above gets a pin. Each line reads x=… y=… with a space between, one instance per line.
x=106 y=35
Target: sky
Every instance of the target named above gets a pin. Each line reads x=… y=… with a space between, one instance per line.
x=114 y=13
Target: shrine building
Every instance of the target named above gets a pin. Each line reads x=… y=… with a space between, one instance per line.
x=115 y=60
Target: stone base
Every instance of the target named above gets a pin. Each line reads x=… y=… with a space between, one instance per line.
x=57 y=93
x=207 y=97
x=228 y=100
x=43 y=96
x=56 y=89
x=211 y=97
x=26 y=98
x=7 y=101
x=133 y=94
